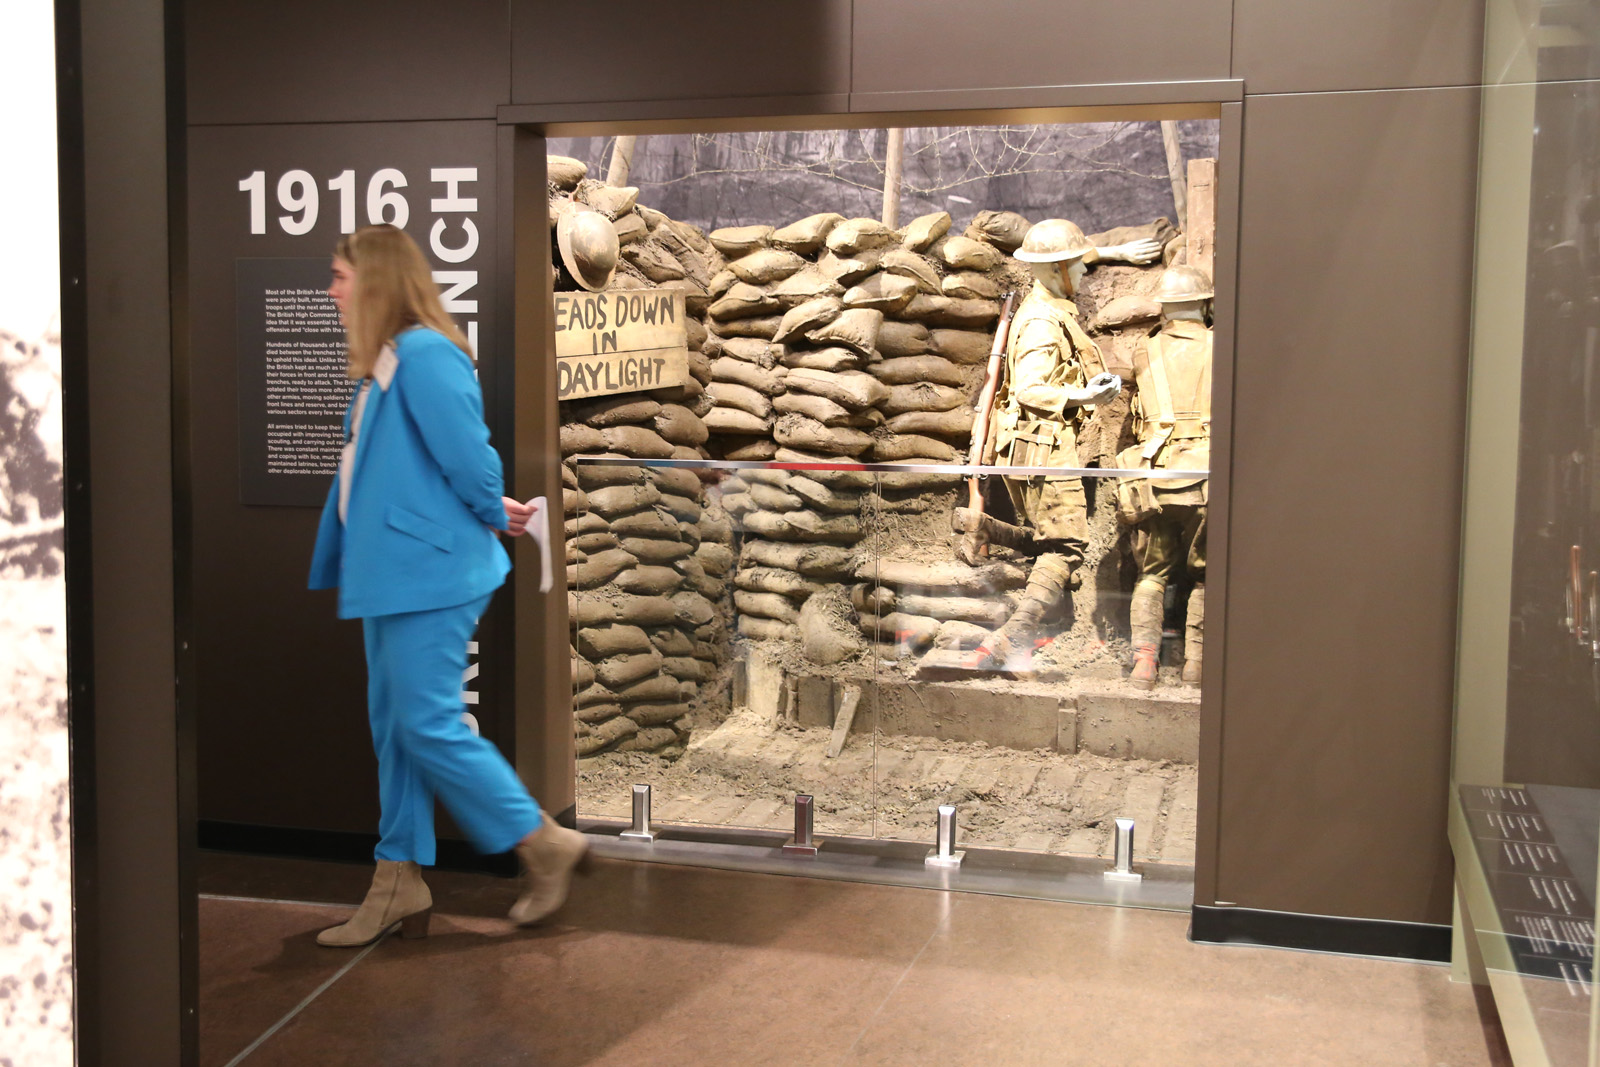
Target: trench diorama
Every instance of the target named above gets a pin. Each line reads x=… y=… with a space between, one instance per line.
x=802 y=620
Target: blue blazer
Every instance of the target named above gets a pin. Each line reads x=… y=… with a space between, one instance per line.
x=425 y=488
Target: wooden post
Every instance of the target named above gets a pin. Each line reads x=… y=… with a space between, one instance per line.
x=621 y=160
x=1201 y=233
x=893 y=170
x=1169 y=141
x=843 y=721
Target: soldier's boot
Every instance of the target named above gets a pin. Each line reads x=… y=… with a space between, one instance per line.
x=1049 y=587
x=1194 y=635
x=1144 y=620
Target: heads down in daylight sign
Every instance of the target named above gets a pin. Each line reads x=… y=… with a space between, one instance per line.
x=620 y=342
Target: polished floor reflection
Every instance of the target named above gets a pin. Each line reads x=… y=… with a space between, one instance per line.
x=655 y=964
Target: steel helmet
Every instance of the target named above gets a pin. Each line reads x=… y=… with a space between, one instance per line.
x=589 y=247
x=1180 y=284
x=1052 y=241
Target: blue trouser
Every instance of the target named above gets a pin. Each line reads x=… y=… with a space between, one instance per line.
x=414 y=665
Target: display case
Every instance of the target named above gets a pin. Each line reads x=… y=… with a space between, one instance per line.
x=1525 y=805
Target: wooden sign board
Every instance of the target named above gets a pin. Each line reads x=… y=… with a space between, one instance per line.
x=620 y=342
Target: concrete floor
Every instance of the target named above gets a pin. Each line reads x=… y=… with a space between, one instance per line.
x=654 y=964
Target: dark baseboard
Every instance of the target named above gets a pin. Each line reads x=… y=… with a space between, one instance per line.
x=339 y=846
x=1320 y=933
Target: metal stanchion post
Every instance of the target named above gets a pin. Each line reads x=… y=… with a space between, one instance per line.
x=1122 y=865
x=944 y=853
x=640 y=830
x=803 y=843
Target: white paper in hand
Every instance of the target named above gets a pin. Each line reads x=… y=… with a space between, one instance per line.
x=539 y=527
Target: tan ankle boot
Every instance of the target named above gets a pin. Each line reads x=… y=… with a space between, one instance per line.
x=549 y=855
x=398 y=895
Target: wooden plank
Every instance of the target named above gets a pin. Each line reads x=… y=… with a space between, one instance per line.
x=619 y=342
x=1200 y=239
x=842 y=721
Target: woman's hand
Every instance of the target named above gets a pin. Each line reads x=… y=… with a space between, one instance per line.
x=519 y=515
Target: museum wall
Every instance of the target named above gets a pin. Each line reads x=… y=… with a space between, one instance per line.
x=1354 y=261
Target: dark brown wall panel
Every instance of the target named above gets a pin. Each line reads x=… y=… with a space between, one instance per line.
x=909 y=45
x=1292 y=46
x=1349 y=398
x=301 y=61
x=645 y=50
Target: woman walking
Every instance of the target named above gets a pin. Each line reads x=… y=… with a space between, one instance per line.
x=408 y=538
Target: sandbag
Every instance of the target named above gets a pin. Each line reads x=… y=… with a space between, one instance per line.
x=691 y=609
x=714 y=525
x=808 y=284
x=822 y=497
x=828 y=359
x=576 y=500
x=814 y=561
x=969 y=284
x=963 y=253
x=699 y=367
x=908 y=370
x=822 y=639
x=582 y=673
x=749 y=375
x=636 y=441
x=971 y=347
x=898 y=627
x=921 y=396
x=819 y=408
x=765 y=266
x=586 y=523
x=1125 y=311
x=671 y=642
x=655 y=714
x=806 y=235
x=858 y=235
x=601 y=642
x=629 y=229
x=636 y=610
x=685 y=668
x=773 y=497
x=853 y=389
x=599 y=568
x=619 y=671
x=721 y=282
x=741 y=397
x=797 y=431
x=803 y=526
x=676 y=480
x=957 y=422
x=655 y=550
x=617 y=410
x=595 y=475
x=766 y=605
x=649 y=580
x=922 y=231
x=682 y=508
x=606 y=734
x=775 y=580
x=811 y=315
x=612 y=200
x=901 y=447
x=653 y=261
x=762 y=629
x=577 y=438
x=961 y=608
x=738 y=241
x=565 y=172
x=954 y=634
x=912 y=480
x=1003 y=229
x=881 y=292
x=614 y=500
x=847 y=270
x=742 y=301
x=946 y=311
x=714 y=558
x=658 y=688
x=896 y=339
x=752 y=350
x=752 y=450
x=944 y=574
x=910 y=265
x=680 y=426
x=856 y=328
x=651 y=522
x=762 y=326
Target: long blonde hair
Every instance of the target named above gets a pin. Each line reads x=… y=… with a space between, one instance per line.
x=394 y=289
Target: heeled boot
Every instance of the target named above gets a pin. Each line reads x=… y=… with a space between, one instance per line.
x=397 y=895
x=1144 y=622
x=1194 y=636
x=549 y=855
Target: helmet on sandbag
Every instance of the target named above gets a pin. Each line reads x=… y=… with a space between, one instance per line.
x=1181 y=284
x=1052 y=241
x=589 y=247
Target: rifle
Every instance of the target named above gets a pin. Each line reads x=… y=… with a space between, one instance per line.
x=984 y=421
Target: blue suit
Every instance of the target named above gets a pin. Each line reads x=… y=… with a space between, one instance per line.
x=417 y=561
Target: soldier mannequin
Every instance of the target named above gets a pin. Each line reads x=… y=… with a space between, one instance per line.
x=1053 y=373
x=1173 y=413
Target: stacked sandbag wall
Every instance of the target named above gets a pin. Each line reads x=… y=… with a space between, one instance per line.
x=647 y=558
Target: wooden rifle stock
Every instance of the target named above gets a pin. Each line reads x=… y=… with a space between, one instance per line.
x=986 y=399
